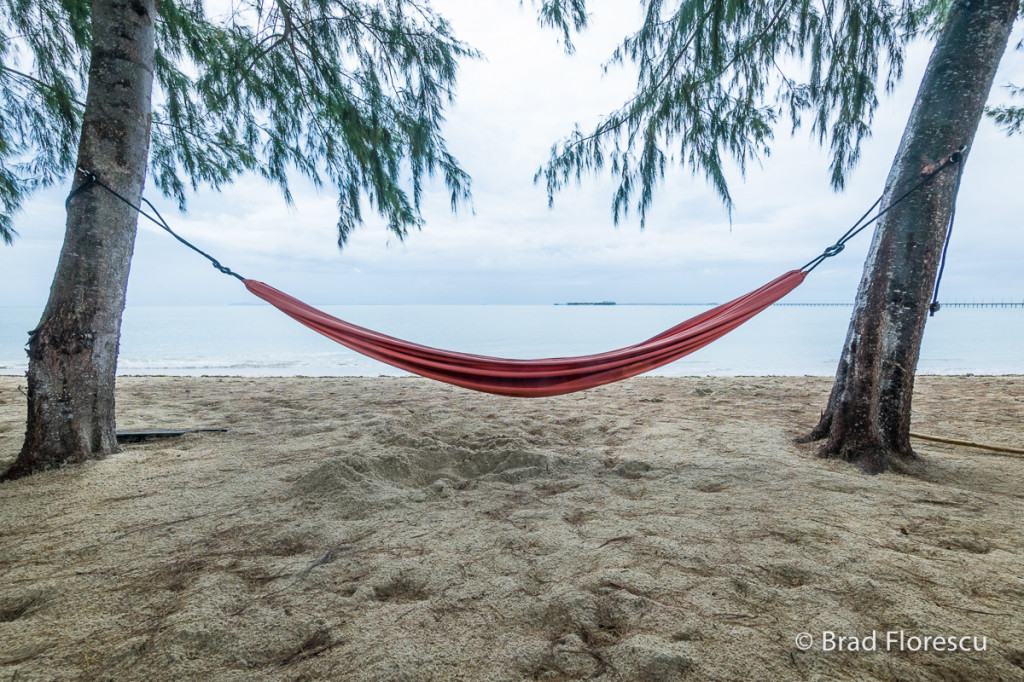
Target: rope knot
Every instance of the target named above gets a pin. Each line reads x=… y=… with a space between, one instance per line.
x=224 y=269
x=833 y=250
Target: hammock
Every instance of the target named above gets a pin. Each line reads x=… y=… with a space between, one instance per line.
x=550 y=376
x=535 y=378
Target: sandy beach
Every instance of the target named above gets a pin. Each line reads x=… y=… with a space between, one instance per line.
x=398 y=529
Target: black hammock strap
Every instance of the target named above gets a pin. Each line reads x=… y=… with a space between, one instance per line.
x=934 y=307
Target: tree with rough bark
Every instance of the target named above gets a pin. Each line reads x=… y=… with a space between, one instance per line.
x=345 y=93
x=715 y=77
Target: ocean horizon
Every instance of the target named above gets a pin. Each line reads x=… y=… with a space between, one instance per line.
x=258 y=340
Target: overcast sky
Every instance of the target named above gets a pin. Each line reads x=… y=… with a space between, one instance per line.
x=511 y=248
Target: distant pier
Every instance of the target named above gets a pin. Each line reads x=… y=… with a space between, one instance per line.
x=952 y=304
x=1001 y=304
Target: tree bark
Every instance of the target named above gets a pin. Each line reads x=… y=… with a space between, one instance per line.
x=867 y=419
x=73 y=351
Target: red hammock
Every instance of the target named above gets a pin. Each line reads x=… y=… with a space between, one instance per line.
x=536 y=378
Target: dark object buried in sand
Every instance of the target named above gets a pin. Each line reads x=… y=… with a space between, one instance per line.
x=143 y=436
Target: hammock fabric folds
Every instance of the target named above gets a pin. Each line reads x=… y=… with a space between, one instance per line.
x=536 y=378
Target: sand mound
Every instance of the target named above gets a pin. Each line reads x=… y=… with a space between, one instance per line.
x=393 y=529
x=400 y=466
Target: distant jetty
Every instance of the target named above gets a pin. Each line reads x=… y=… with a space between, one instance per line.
x=953 y=304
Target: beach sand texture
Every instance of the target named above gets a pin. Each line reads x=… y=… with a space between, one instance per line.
x=398 y=529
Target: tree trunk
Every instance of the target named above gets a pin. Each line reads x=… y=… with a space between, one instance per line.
x=73 y=351
x=867 y=420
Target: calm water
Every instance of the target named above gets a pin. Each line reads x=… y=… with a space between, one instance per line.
x=260 y=341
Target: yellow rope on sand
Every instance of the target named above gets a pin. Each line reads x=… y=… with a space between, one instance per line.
x=969 y=444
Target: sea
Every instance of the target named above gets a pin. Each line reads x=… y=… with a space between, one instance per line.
x=257 y=340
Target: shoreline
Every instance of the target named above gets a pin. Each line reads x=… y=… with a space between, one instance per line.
x=397 y=528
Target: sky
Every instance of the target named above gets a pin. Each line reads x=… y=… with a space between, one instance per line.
x=511 y=248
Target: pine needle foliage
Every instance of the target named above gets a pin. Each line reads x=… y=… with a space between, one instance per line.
x=1010 y=117
x=566 y=16
x=715 y=78
x=346 y=93
x=43 y=67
